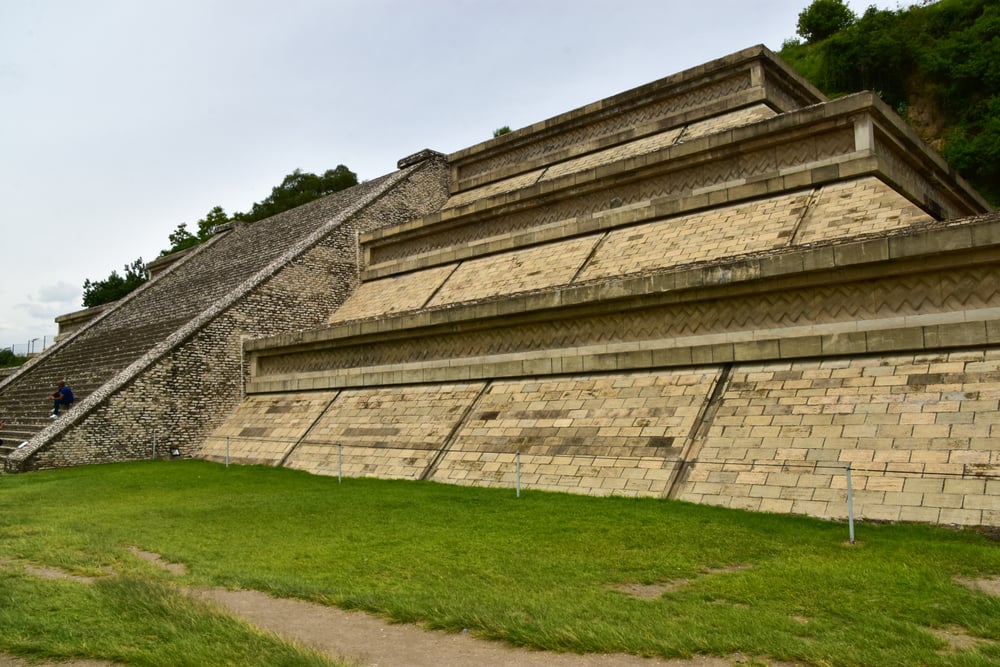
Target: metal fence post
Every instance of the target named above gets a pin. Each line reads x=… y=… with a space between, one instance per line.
x=517 y=459
x=154 y=444
x=340 y=462
x=227 y=451
x=850 y=503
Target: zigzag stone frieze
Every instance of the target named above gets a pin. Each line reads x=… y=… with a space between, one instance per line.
x=832 y=211
x=963 y=289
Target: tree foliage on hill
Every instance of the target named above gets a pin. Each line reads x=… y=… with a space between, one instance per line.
x=299 y=188
x=823 y=19
x=115 y=286
x=9 y=360
x=939 y=61
x=296 y=189
x=181 y=238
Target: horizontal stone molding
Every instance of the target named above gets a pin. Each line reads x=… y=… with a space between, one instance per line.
x=845 y=139
x=799 y=304
x=823 y=341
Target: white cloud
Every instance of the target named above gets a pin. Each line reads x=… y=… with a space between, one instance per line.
x=61 y=292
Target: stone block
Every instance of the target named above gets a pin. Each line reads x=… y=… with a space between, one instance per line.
x=955 y=335
x=960 y=517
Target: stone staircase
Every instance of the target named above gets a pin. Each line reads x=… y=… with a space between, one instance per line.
x=166 y=361
x=84 y=365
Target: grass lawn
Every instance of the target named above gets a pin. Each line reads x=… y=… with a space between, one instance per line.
x=546 y=570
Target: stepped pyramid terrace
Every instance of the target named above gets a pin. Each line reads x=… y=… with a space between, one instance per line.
x=719 y=287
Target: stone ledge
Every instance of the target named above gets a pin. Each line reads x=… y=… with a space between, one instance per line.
x=763 y=71
x=911 y=251
x=835 y=340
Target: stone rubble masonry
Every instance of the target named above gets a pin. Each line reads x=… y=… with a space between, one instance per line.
x=719 y=287
x=279 y=275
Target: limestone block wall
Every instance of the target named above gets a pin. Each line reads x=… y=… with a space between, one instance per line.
x=751 y=383
x=600 y=434
x=834 y=211
x=918 y=430
x=826 y=153
x=750 y=78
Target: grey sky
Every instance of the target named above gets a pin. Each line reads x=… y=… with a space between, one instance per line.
x=123 y=118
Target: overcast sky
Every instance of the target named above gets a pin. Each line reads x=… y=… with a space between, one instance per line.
x=120 y=119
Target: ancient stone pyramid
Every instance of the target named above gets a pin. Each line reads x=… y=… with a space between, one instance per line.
x=719 y=287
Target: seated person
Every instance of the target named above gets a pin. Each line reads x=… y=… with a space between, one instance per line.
x=62 y=396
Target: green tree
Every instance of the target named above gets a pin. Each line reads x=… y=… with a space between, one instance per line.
x=181 y=238
x=500 y=131
x=115 y=286
x=8 y=359
x=298 y=188
x=823 y=19
x=941 y=58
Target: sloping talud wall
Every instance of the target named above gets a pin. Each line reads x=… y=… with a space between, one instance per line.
x=917 y=431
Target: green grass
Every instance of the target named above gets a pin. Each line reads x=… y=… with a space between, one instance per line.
x=539 y=571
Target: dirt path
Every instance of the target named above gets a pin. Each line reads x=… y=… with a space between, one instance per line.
x=368 y=641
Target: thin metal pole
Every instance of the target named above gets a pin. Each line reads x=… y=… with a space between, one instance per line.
x=340 y=462
x=154 y=443
x=850 y=503
x=227 y=451
x=518 y=460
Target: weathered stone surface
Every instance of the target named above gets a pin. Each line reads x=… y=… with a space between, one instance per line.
x=718 y=287
x=578 y=289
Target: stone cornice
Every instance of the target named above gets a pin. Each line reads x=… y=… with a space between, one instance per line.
x=751 y=75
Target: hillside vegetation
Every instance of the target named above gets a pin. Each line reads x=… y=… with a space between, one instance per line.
x=937 y=64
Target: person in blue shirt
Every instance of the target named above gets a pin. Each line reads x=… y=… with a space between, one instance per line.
x=63 y=396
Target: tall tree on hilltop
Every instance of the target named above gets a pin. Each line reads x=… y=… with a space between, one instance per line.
x=296 y=189
x=824 y=18
x=182 y=239
x=936 y=63
x=300 y=188
x=115 y=286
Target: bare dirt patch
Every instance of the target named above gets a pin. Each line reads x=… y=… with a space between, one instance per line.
x=958 y=639
x=988 y=585
x=367 y=640
x=173 y=568
x=656 y=590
